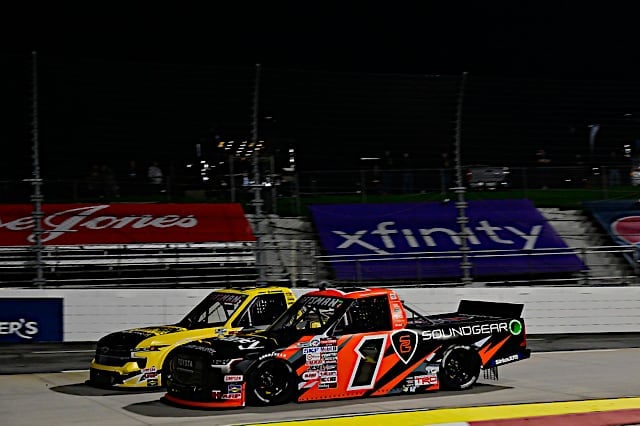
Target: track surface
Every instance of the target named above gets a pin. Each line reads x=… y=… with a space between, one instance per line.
x=29 y=396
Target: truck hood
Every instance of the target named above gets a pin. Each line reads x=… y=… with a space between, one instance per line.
x=134 y=336
x=229 y=347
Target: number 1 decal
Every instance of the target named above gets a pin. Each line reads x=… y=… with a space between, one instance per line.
x=369 y=353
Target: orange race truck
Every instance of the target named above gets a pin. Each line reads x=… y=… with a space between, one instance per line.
x=348 y=343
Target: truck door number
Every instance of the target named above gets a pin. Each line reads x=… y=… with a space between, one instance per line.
x=369 y=354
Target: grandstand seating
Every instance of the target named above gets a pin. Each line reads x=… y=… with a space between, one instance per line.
x=289 y=257
x=156 y=265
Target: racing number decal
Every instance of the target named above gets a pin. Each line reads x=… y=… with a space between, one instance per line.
x=369 y=353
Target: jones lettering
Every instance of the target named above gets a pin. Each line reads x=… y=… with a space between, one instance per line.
x=88 y=218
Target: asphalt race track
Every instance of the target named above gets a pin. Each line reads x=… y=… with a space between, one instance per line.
x=41 y=384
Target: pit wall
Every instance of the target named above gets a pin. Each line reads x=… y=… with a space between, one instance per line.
x=90 y=314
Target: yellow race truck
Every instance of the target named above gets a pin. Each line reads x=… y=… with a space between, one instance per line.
x=135 y=358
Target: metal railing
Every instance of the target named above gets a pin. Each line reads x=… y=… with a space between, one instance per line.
x=156 y=265
x=160 y=265
x=361 y=182
x=287 y=262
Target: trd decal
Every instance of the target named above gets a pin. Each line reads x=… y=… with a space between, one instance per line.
x=369 y=353
x=405 y=343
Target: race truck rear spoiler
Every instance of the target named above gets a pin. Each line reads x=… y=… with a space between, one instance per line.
x=492 y=309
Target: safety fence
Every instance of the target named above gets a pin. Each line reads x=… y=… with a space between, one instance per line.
x=144 y=265
x=294 y=263
x=286 y=194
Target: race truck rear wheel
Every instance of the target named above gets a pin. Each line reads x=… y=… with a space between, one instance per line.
x=459 y=368
x=270 y=381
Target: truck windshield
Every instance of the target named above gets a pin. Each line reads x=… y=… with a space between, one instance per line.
x=310 y=315
x=214 y=310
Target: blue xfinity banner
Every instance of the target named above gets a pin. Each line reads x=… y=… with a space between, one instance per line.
x=24 y=320
x=421 y=240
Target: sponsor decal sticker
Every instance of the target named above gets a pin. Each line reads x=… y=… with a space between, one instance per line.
x=234 y=388
x=404 y=343
x=330 y=357
x=432 y=371
x=425 y=380
x=515 y=327
x=233 y=378
x=322 y=301
x=310 y=375
x=313 y=357
x=468 y=330
x=232 y=396
x=501 y=361
x=185 y=363
x=397 y=313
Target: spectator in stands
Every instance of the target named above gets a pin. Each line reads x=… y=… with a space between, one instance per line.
x=542 y=160
x=133 y=178
x=94 y=182
x=445 y=172
x=132 y=171
x=154 y=173
x=387 y=172
x=407 y=173
x=109 y=183
x=613 y=177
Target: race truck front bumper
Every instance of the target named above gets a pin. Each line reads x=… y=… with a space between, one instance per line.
x=232 y=395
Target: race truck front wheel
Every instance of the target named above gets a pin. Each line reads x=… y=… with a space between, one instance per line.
x=459 y=368
x=270 y=382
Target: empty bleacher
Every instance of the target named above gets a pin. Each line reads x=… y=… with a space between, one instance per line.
x=154 y=265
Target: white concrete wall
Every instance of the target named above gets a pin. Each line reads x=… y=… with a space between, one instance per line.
x=91 y=313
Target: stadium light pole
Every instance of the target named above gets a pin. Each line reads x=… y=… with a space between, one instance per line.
x=461 y=204
x=36 y=180
x=257 y=201
x=593 y=132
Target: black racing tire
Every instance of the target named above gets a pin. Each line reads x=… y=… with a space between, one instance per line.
x=459 y=368
x=270 y=382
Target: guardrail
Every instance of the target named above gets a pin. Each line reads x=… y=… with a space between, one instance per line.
x=289 y=262
x=133 y=264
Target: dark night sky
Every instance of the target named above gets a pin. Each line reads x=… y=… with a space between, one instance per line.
x=148 y=80
x=499 y=37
